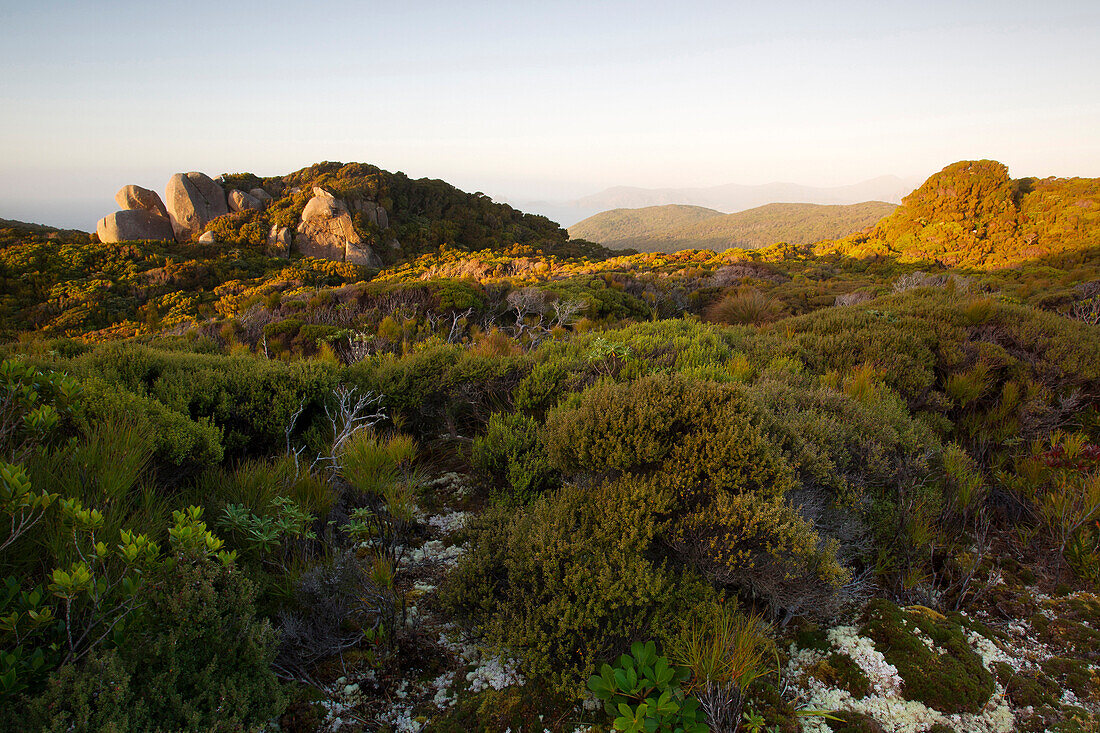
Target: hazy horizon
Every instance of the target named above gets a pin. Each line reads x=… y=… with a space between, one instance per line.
x=537 y=103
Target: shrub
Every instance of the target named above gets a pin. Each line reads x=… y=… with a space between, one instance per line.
x=762 y=545
x=511 y=453
x=570 y=580
x=745 y=306
x=97 y=695
x=205 y=661
x=178 y=439
x=639 y=425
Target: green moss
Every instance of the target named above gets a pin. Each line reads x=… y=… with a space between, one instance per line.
x=809 y=635
x=1027 y=689
x=766 y=700
x=854 y=723
x=954 y=681
x=838 y=670
x=1073 y=674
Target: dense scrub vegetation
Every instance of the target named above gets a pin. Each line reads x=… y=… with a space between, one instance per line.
x=672 y=228
x=503 y=489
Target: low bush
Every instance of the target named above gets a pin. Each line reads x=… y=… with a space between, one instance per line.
x=571 y=580
x=511 y=457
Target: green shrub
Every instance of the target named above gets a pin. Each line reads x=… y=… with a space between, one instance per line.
x=178 y=439
x=541 y=389
x=249 y=399
x=511 y=454
x=641 y=425
x=570 y=580
x=96 y=696
x=205 y=661
x=761 y=545
x=643 y=693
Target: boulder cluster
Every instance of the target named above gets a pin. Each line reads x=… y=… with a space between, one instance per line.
x=193 y=200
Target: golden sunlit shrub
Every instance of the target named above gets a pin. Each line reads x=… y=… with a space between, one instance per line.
x=761 y=545
x=745 y=306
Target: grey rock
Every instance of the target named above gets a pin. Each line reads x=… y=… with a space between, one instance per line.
x=326 y=232
x=136 y=198
x=193 y=199
x=239 y=201
x=375 y=212
x=263 y=196
x=207 y=238
x=133 y=224
x=278 y=242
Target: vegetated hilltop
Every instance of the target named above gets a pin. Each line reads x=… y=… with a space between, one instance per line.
x=612 y=228
x=503 y=488
x=673 y=228
x=973 y=214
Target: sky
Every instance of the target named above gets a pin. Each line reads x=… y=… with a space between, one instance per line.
x=549 y=100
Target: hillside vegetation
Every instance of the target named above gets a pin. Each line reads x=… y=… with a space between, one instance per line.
x=973 y=214
x=614 y=227
x=531 y=486
x=675 y=228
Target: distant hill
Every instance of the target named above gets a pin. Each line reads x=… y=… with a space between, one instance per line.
x=728 y=198
x=972 y=213
x=619 y=225
x=672 y=228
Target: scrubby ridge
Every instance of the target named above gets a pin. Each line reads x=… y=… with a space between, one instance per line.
x=830 y=492
x=670 y=228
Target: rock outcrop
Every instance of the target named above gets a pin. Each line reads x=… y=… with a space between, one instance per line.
x=262 y=196
x=278 y=242
x=134 y=224
x=193 y=199
x=239 y=201
x=326 y=232
x=136 y=198
x=375 y=212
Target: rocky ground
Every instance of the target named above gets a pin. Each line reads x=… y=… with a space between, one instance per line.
x=1027 y=660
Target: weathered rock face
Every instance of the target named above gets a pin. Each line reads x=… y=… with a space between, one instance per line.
x=239 y=201
x=136 y=198
x=193 y=199
x=261 y=195
x=134 y=224
x=207 y=238
x=326 y=232
x=375 y=212
x=278 y=242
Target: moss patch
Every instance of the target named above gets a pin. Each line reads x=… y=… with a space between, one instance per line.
x=855 y=723
x=838 y=670
x=950 y=678
x=1072 y=674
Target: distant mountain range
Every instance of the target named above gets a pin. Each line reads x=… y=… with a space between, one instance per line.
x=674 y=227
x=727 y=198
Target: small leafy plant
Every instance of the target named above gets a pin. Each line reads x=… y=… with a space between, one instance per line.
x=644 y=692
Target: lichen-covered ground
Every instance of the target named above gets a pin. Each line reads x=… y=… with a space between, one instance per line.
x=1023 y=660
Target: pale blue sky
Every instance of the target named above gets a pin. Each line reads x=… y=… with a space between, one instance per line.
x=554 y=101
